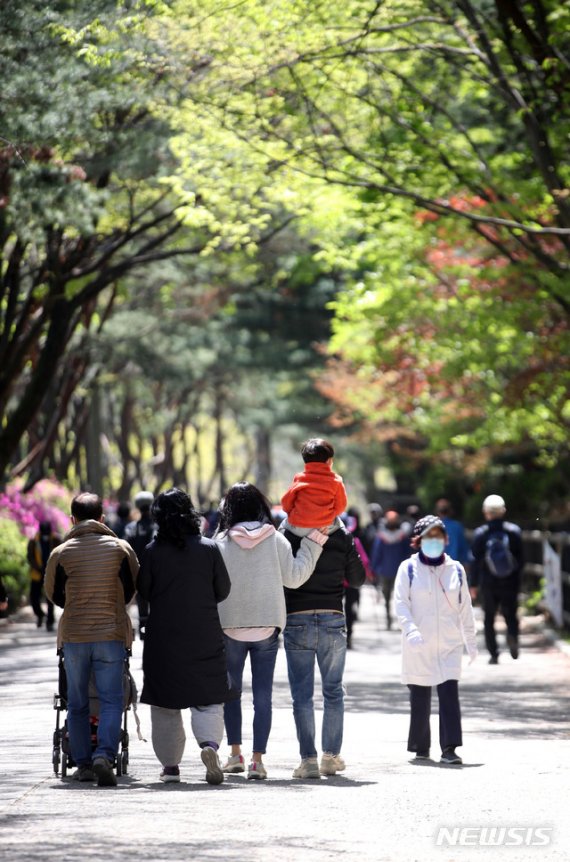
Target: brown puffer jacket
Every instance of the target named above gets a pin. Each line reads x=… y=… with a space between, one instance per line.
x=92 y=576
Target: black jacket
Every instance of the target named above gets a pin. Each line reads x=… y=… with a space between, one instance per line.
x=184 y=660
x=339 y=562
x=479 y=575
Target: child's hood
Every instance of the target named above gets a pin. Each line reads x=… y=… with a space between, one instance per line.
x=249 y=534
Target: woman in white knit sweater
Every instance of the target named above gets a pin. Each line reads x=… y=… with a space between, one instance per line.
x=260 y=563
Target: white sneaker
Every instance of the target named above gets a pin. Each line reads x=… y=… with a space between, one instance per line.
x=331 y=764
x=256 y=770
x=235 y=763
x=214 y=774
x=308 y=768
x=170 y=775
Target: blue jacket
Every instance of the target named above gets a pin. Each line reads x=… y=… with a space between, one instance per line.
x=390 y=548
x=458 y=547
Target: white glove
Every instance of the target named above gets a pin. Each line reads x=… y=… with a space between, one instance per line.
x=472 y=653
x=415 y=639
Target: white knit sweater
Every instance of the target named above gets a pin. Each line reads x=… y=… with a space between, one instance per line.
x=258 y=575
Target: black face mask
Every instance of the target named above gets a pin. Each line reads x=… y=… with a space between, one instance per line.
x=392 y=526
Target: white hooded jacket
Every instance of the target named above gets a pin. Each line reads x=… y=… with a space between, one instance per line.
x=430 y=605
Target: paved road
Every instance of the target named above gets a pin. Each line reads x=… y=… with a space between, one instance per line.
x=516 y=752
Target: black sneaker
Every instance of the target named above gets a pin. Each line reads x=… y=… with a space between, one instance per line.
x=104 y=772
x=450 y=757
x=513 y=645
x=494 y=659
x=83 y=773
x=422 y=755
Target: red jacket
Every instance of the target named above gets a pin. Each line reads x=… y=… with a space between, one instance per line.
x=315 y=498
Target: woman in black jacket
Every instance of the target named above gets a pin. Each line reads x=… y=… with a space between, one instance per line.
x=183 y=577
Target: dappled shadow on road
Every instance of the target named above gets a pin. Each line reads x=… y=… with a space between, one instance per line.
x=515 y=709
x=116 y=849
x=386 y=697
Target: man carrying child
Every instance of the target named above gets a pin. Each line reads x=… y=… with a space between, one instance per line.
x=316 y=627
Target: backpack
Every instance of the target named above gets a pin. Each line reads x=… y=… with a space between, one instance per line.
x=458 y=569
x=498 y=556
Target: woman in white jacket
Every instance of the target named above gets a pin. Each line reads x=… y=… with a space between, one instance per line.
x=434 y=610
x=260 y=563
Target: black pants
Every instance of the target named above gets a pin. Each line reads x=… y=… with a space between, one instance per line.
x=36 y=592
x=500 y=594
x=387 y=587
x=419 y=738
x=351 y=602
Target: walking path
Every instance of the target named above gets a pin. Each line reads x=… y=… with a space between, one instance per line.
x=515 y=774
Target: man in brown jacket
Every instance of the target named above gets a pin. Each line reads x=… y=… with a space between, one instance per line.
x=92 y=576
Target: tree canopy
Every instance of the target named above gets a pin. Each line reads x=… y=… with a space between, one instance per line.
x=279 y=211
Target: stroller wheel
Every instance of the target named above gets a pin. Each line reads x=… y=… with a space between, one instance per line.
x=55 y=759
x=64 y=766
x=119 y=766
x=124 y=761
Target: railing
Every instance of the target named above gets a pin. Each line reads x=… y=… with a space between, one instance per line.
x=534 y=564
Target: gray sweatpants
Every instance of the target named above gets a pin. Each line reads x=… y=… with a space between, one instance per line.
x=169 y=738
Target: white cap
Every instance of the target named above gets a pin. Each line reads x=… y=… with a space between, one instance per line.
x=494 y=503
x=144 y=498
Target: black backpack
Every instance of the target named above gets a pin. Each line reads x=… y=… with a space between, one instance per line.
x=498 y=555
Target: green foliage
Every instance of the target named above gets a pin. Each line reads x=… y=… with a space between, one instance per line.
x=13 y=565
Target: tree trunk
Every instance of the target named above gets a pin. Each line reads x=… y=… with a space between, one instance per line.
x=263 y=459
x=93 y=451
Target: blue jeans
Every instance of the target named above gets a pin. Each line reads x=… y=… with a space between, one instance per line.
x=262 y=655
x=321 y=636
x=105 y=660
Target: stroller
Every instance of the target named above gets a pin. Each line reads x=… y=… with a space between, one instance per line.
x=61 y=755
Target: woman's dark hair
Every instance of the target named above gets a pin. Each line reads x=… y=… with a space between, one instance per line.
x=176 y=517
x=243 y=502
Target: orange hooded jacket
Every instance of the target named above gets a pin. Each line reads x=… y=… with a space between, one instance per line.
x=315 y=498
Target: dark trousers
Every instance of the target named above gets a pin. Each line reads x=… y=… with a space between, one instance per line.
x=387 y=587
x=500 y=594
x=351 y=602
x=36 y=592
x=419 y=738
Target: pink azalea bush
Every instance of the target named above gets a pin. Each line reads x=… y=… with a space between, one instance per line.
x=47 y=501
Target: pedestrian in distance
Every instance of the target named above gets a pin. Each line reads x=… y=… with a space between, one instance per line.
x=352 y=594
x=498 y=561
x=316 y=631
x=317 y=495
x=122 y=519
x=38 y=551
x=376 y=512
x=92 y=577
x=458 y=546
x=3 y=598
x=139 y=534
x=260 y=563
x=391 y=546
x=183 y=578
x=434 y=610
